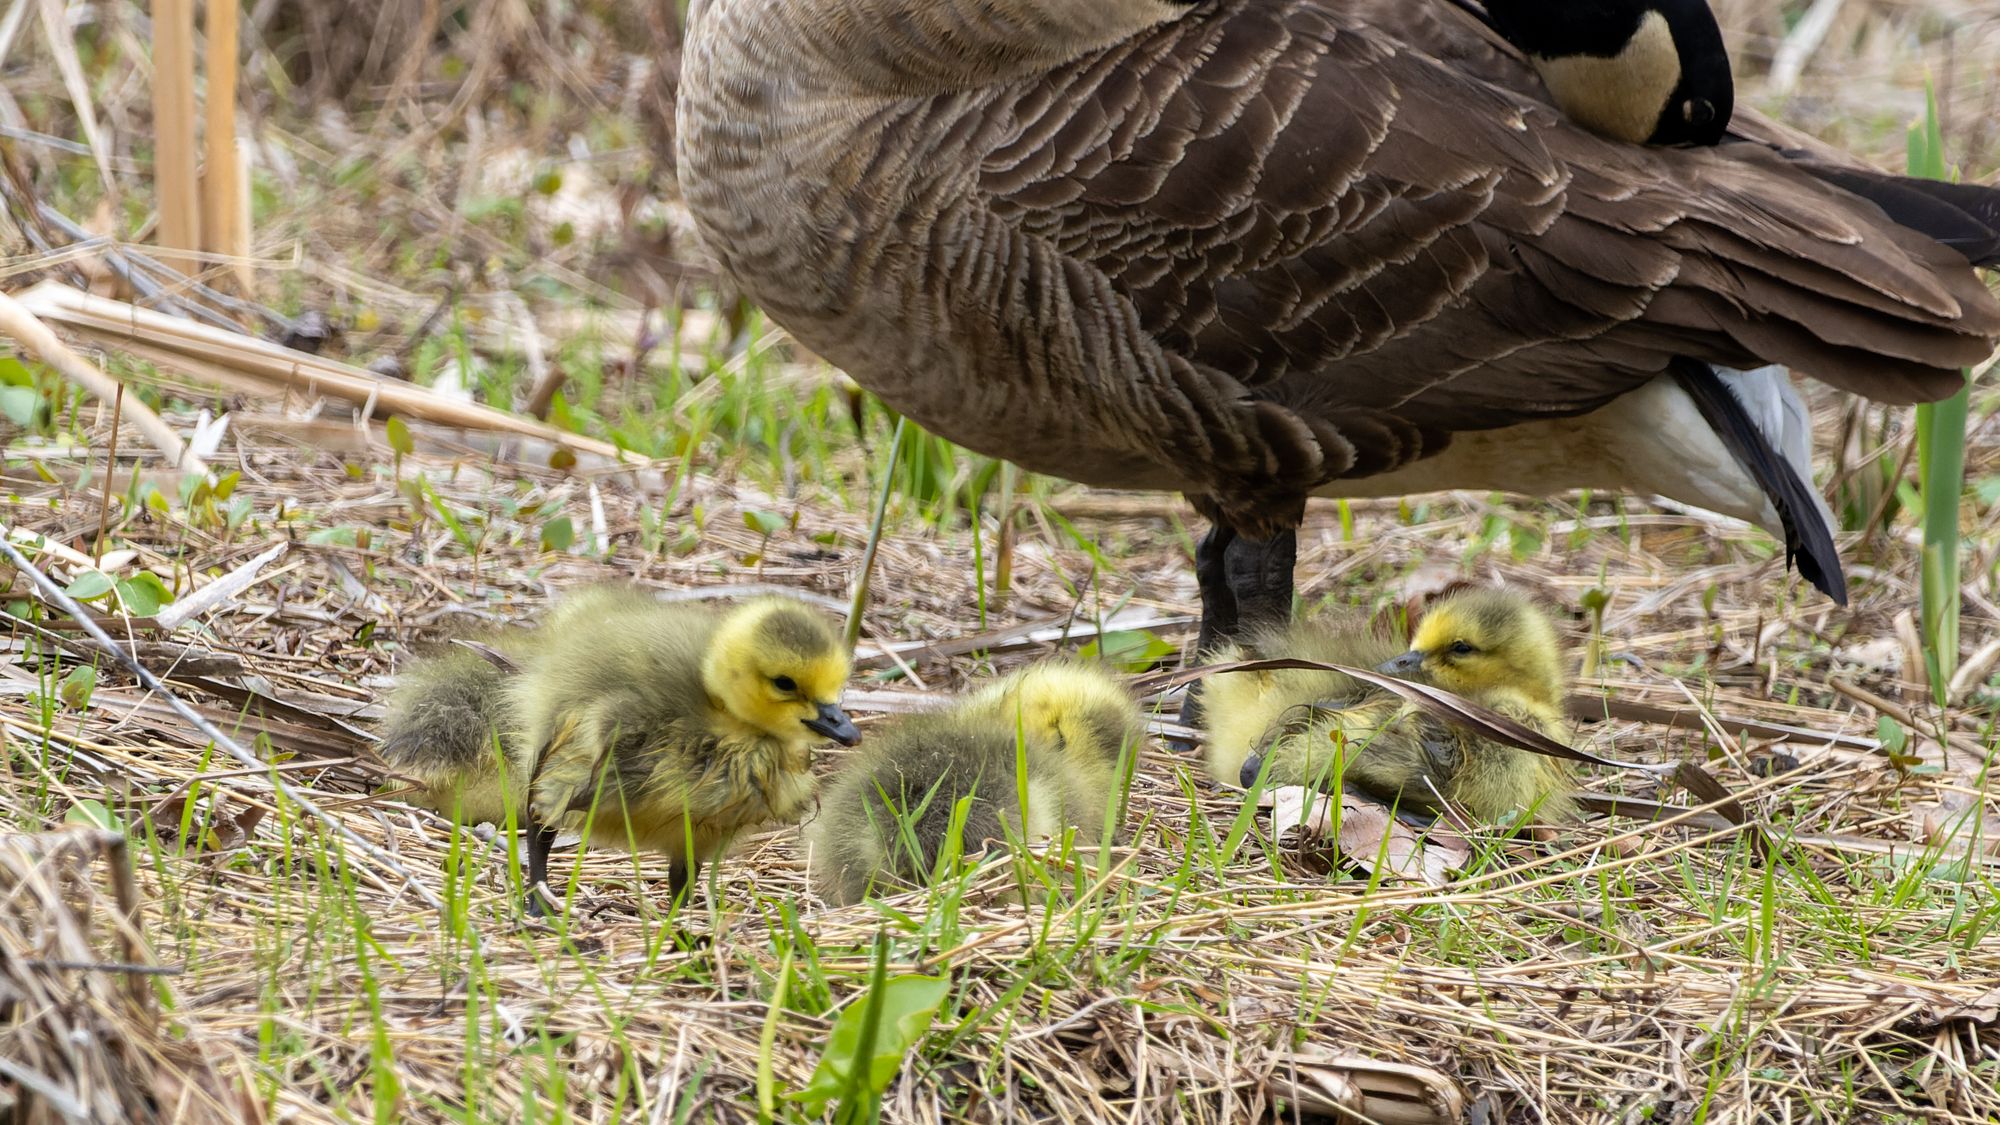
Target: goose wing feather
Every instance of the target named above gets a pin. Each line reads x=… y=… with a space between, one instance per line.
x=1328 y=221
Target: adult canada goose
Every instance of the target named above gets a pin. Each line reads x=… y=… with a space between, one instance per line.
x=889 y=815
x=672 y=726
x=1259 y=250
x=1300 y=727
x=1644 y=71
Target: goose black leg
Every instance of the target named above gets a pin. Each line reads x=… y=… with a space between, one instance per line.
x=1218 y=607
x=1259 y=573
x=681 y=871
x=540 y=841
x=1218 y=602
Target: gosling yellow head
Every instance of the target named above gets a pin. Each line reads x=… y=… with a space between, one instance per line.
x=777 y=666
x=1491 y=645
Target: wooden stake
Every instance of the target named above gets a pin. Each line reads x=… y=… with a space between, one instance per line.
x=225 y=193
x=173 y=131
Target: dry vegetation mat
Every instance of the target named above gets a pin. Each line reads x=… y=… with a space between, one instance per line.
x=526 y=385
x=1209 y=975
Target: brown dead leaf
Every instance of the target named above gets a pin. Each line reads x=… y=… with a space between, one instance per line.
x=222 y=833
x=1365 y=834
x=1955 y=824
x=1932 y=1013
x=1356 y=1087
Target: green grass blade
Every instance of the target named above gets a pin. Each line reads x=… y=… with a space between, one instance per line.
x=1941 y=428
x=860 y=601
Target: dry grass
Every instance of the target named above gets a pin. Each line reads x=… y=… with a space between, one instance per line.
x=1664 y=974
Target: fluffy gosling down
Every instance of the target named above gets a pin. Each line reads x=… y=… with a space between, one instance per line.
x=1307 y=728
x=670 y=726
x=888 y=817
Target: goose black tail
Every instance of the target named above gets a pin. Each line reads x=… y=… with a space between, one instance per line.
x=1808 y=538
x=1965 y=217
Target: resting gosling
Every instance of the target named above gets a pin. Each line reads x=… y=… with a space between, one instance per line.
x=888 y=817
x=1493 y=647
x=672 y=725
x=1642 y=71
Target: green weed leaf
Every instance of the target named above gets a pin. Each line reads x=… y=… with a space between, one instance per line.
x=1133 y=650
x=762 y=522
x=93 y=813
x=143 y=594
x=399 y=436
x=90 y=585
x=20 y=404
x=558 y=534
x=76 y=688
x=883 y=1025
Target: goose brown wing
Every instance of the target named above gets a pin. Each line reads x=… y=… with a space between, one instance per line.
x=1388 y=249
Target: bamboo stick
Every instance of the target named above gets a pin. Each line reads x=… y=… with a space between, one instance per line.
x=173 y=132
x=225 y=191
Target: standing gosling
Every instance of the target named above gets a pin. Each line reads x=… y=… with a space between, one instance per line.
x=888 y=817
x=673 y=726
x=1493 y=647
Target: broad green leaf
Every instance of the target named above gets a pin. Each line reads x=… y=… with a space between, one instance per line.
x=884 y=1024
x=399 y=435
x=20 y=404
x=76 y=688
x=558 y=534
x=93 y=813
x=334 y=537
x=143 y=594
x=14 y=373
x=762 y=522
x=1135 y=650
x=1891 y=735
x=89 y=585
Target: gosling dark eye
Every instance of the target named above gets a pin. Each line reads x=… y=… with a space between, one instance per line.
x=1462 y=648
x=784 y=683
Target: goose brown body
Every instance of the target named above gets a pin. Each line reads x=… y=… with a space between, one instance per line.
x=1254 y=250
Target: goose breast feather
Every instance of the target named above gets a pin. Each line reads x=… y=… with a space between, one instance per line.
x=1263 y=246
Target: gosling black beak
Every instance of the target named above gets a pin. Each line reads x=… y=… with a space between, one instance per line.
x=834 y=723
x=1252 y=766
x=1411 y=661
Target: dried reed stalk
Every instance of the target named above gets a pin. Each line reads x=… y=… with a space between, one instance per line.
x=225 y=188
x=173 y=131
x=207 y=352
x=34 y=336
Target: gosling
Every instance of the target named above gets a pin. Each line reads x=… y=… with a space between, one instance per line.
x=889 y=817
x=1308 y=728
x=667 y=727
